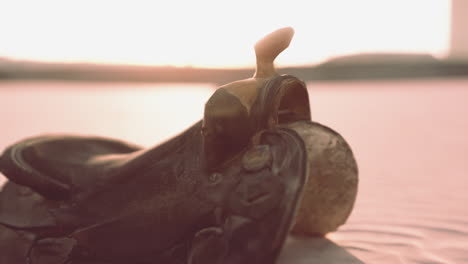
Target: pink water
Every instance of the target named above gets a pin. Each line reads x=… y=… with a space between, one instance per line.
x=410 y=139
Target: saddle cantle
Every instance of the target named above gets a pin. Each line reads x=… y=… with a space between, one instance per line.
x=226 y=190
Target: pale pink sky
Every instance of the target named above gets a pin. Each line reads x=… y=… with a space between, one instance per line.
x=217 y=33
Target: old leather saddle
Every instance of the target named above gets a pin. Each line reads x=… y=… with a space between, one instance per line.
x=223 y=191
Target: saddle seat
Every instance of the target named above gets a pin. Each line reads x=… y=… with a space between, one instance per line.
x=55 y=166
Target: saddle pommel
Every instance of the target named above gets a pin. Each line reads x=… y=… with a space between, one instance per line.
x=268 y=48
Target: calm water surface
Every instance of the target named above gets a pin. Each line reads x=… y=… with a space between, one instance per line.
x=409 y=137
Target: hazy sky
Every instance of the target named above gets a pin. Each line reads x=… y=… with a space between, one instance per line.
x=217 y=33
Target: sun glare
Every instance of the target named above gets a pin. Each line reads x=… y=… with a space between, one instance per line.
x=217 y=33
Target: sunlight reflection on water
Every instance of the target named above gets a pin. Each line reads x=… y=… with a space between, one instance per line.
x=141 y=113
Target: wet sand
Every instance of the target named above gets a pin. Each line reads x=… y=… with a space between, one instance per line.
x=409 y=137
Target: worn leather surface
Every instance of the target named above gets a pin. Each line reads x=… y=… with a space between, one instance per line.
x=73 y=199
x=157 y=215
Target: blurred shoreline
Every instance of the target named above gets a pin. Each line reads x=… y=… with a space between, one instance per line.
x=372 y=66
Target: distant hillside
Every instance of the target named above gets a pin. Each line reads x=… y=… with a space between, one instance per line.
x=102 y=72
x=383 y=66
x=381 y=58
x=360 y=66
